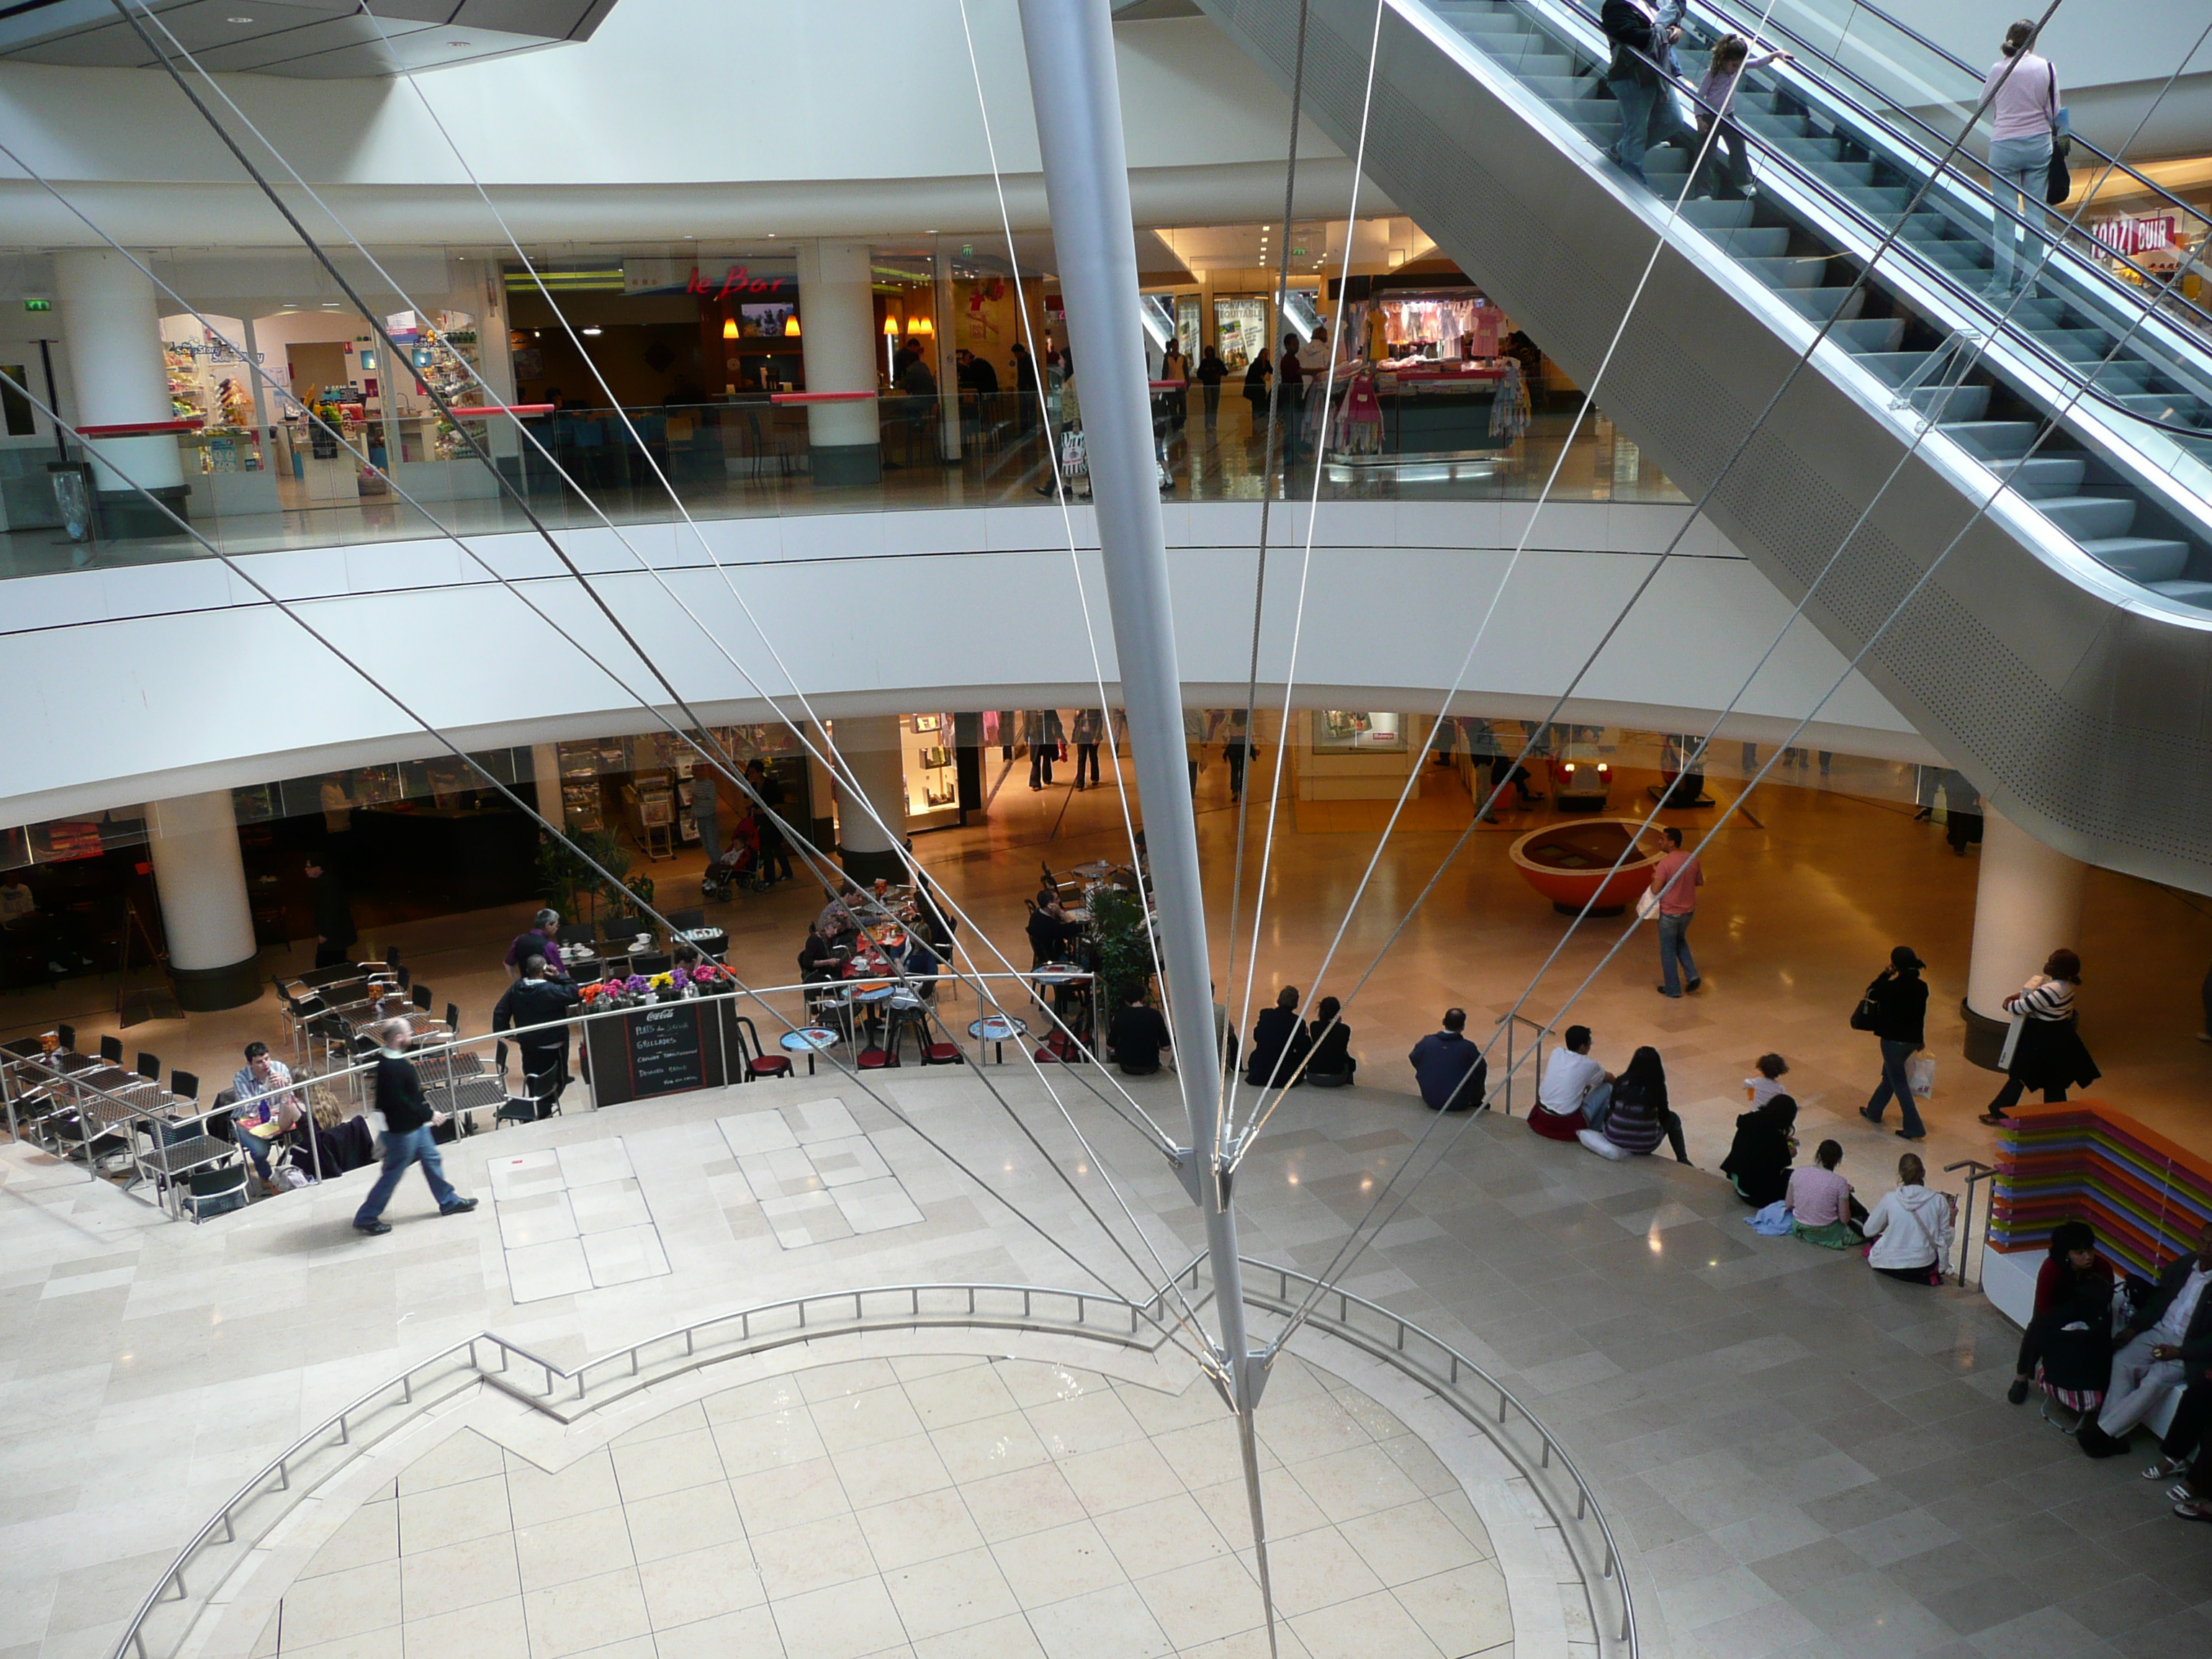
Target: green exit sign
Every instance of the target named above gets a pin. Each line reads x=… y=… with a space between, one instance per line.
x=38 y=305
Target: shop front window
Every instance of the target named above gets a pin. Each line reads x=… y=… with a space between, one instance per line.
x=1341 y=731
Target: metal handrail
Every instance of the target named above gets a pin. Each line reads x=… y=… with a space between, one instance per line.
x=2060 y=367
x=1512 y=1020
x=1398 y=1348
x=1961 y=63
x=1976 y=1171
x=1802 y=47
x=656 y=1360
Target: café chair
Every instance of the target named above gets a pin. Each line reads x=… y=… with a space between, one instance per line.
x=422 y=998
x=111 y=1050
x=392 y=957
x=758 y=1062
x=658 y=962
x=453 y=1017
x=684 y=920
x=404 y=977
x=214 y=1192
x=67 y=1036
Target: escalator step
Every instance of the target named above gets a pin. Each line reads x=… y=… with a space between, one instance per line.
x=1894 y=369
x=2042 y=475
x=1870 y=334
x=2080 y=345
x=1841 y=175
x=1996 y=441
x=1822 y=303
x=2141 y=558
x=1787 y=272
x=2189 y=593
x=1953 y=403
x=2175 y=409
x=2099 y=518
x=1560 y=89
x=1755 y=241
x=1709 y=214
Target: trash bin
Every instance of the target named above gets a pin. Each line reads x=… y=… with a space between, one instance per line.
x=73 y=497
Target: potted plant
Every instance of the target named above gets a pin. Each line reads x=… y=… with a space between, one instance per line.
x=1118 y=929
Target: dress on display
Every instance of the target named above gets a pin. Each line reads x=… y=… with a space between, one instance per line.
x=1509 y=410
x=1360 y=428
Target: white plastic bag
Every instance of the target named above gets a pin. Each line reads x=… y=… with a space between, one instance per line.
x=1647 y=905
x=1920 y=1072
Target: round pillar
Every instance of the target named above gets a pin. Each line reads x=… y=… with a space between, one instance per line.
x=201 y=876
x=2028 y=904
x=838 y=344
x=869 y=746
x=112 y=331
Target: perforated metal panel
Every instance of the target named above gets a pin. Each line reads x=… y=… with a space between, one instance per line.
x=2084 y=719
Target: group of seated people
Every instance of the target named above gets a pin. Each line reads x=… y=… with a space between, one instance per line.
x=848 y=919
x=2118 y=1365
x=1286 y=1051
x=1615 y=1116
x=263 y=1092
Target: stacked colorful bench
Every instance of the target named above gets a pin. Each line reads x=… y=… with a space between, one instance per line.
x=2147 y=1197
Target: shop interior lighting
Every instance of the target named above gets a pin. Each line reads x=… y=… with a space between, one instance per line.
x=594 y=328
x=729 y=328
x=890 y=326
x=920 y=326
x=791 y=327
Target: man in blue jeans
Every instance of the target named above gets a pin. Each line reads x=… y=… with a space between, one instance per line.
x=1900 y=1001
x=1640 y=42
x=1675 y=880
x=408 y=1118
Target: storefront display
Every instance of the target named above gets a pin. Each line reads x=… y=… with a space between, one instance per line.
x=932 y=787
x=1337 y=730
x=1240 y=325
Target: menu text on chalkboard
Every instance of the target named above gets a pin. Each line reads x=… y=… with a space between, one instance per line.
x=667 y=1051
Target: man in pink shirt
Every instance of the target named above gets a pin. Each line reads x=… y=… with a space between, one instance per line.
x=1675 y=878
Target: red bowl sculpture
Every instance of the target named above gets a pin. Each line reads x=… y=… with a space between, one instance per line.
x=1569 y=862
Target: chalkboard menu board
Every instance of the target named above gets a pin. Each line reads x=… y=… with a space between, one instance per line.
x=665 y=1049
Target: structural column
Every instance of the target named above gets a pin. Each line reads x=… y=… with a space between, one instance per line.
x=2028 y=904
x=201 y=876
x=869 y=746
x=837 y=343
x=112 y=329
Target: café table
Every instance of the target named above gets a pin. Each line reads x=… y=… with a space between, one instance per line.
x=811 y=1040
x=998 y=1029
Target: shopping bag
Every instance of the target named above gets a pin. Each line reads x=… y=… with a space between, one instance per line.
x=1074 y=459
x=2011 y=1043
x=1647 y=905
x=1920 y=1072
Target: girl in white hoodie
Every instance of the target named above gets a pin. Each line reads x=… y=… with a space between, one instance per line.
x=1910 y=1228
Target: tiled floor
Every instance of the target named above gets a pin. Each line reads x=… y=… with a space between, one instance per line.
x=573 y=1219
x=923 y=1508
x=815 y=1176
x=1799 y=1457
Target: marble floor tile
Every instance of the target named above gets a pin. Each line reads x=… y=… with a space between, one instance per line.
x=539 y=1272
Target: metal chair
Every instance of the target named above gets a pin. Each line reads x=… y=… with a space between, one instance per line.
x=392 y=956
x=453 y=1017
x=111 y=1050
x=658 y=962
x=184 y=1086
x=67 y=1034
x=420 y=997
x=213 y=1191
x=758 y=1062
x=404 y=976
x=150 y=1066
x=684 y=920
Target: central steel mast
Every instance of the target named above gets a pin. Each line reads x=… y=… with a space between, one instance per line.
x=1073 y=85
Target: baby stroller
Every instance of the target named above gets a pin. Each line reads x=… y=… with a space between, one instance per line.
x=740 y=867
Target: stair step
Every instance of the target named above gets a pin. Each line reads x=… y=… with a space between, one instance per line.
x=1952 y=402
x=1754 y=241
x=2139 y=558
x=1707 y=214
x=1869 y=334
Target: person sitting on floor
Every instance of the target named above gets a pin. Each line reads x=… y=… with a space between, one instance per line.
x=2069 y=1338
x=1910 y=1228
x=1138 y=1035
x=262 y=1081
x=1820 y=1201
x=1452 y=1074
x=1638 y=1117
x=1278 y=1044
x=1769 y=1069
x=1332 y=1064
x=1759 y=1157
x=2169 y=1332
x=2184 y=1441
x=1576 y=1092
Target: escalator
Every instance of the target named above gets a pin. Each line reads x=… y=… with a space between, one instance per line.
x=2062 y=655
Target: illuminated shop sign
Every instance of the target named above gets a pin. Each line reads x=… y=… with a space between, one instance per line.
x=737 y=279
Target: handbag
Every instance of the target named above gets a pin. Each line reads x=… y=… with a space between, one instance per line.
x=1074 y=457
x=2058 y=184
x=1867 y=1017
x=2011 y=1041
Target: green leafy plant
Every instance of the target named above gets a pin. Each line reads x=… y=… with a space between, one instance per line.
x=575 y=889
x=1125 y=954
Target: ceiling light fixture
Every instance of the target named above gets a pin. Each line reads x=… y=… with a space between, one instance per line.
x=791 y=327
x=593 y=329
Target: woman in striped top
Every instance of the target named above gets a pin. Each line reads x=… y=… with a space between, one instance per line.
x=2049 y=1055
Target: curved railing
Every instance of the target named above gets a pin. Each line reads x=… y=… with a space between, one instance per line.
x=167 y=1617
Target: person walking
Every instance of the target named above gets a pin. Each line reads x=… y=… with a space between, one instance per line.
x=1257 y=375
x=1090 y=727
x=1211 y=373
x=1675 y=880
x=1236 y=750
x=1042 y=754
x=2022 y=94
x=397 y=1092
x=1291 y=399
x=1640 y=42
x=774 y=850
x=2048 y=1053
x=334 y=928
x=1898 y=1003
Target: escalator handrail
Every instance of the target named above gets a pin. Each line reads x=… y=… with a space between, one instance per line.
x=1890 y=123
x=2062 y=367
x=2124 y=293
x=2105 y=156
